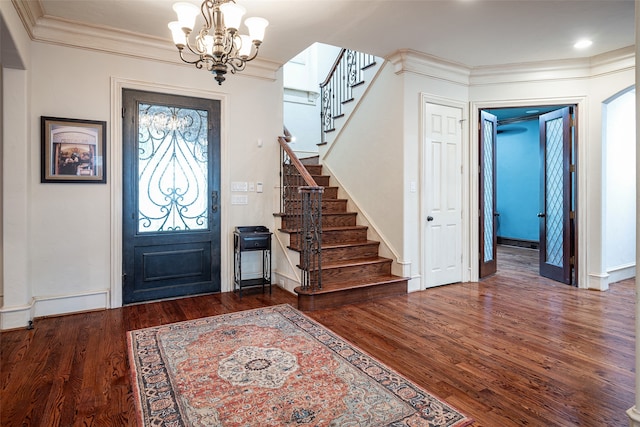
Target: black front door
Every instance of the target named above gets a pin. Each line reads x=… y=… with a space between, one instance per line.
x=171 y=217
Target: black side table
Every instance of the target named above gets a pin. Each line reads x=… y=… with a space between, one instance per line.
x=246 y=239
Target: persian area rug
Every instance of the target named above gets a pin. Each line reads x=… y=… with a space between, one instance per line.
x=271 y=366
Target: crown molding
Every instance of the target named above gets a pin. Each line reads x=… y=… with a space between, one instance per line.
x=614 y=61
x=62 y=32
x=411 y=61
x=29 y=12
x=580 y=68
x=531 y=71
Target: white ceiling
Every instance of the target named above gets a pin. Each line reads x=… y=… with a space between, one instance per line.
x=473 y=33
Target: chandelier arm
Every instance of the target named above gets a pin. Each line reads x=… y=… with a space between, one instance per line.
x=208 y=8
x=191 y=49
x=237 y=64
x=252 y=57
x=198 y=62
x=228 y=47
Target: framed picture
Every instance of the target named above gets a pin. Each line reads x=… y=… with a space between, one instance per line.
x=73 y=150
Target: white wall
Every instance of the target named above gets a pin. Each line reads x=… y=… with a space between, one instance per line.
x=620 y=185
x=70 y=233
x=15 y=46
x=366 y=160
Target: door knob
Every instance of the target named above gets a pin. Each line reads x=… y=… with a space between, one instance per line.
x=429 y=218
x=541 y=215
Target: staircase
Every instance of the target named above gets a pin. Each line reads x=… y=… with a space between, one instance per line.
x=351 y=269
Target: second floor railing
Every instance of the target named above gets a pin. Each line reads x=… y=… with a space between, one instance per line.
x=301 y=210
x=347 y=72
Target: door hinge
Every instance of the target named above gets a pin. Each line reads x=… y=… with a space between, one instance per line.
x=572 y=260
x=123 y=110
x=572 y=168
x=572 y=214
x=124 y=278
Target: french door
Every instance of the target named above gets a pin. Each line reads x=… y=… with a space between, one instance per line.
x=557 y=228
x=488 y=213
x=171 y=183
x=558 y=195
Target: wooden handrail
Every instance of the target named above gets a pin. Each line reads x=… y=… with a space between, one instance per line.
x=333 y=69
x=287 y=135
x=304 y=173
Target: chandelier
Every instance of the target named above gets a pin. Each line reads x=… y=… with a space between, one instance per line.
x=218 y=46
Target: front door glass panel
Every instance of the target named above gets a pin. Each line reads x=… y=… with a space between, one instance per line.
x=172 y=169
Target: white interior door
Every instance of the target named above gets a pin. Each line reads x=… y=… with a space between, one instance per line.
x=442 y=194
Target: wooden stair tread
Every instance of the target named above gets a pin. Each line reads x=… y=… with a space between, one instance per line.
x=340 y=228
x=363 y=282
x=323 y=186
x=354 y=262
x=324 y=199
x=349 y=244
x=283 y=215
x=341 y=245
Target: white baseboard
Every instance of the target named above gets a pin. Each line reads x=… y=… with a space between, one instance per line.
x=622 y=272
x=15 y=317
x=634 y=417
x=19 y=316
x=286 y=282
x=65 y=304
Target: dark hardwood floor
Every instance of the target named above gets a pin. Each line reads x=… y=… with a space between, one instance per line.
x=513 y=350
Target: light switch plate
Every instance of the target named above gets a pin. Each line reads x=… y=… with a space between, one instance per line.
x=239 y=200
x=239 y=186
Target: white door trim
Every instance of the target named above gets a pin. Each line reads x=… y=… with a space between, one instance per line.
x=464 y=245
x=583 y=194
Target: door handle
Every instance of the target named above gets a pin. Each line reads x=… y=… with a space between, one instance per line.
x=214 y=201
x=541 y=215
x=496 y=214
x=429 y=218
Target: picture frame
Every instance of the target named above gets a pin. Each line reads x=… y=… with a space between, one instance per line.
x=73 y=150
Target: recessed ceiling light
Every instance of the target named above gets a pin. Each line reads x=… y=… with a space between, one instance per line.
x=583 y=44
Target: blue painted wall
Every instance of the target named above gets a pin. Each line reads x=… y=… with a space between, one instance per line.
x=518 y=180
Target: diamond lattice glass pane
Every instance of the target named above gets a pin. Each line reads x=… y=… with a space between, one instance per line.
x=172 y=169
x=554 y=196
x=488 y=190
